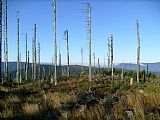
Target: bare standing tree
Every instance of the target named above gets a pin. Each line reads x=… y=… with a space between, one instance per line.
x=66 y=37
x=18 y=73
x=20 y=67
x=55 y=47
x=112 y=74
x=6 y=41
x=98 y=66
x=138 y=52
x=26 y=64
x=39 y=55
x=0 y=40
x=89 y=40
x=28 y=72
x=122 y=73
x=108 y=54
x=35 y=28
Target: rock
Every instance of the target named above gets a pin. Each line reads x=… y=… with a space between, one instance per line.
x=129 y=114
x=141 y=91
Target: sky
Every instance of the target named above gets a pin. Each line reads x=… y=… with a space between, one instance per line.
x=117 y=17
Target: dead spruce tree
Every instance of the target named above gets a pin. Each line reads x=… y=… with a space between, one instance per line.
x=66 y=38
x=39 y=65
x=108 y=53
x=28 y=72
x=104 y=63
x=122 y=72
x=6 y=41
x=32 y=57
x=0 y=40
x=98 y=66
x=18 y=73
x=35 y=28
x=138 y=52
x=26 y=64
x=89 y=40
x=55 y=47
x=112 y=74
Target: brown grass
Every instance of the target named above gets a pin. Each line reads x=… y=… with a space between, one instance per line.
x=30 y=108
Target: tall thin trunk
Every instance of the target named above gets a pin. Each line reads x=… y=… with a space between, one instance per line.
x=32 y=58
x=28 y=72
x=35 y=51
x=138 y=52
x=98 y=66
x=6 y=41
x=26 y=65
x=89 y=40
x=0 y=40
x=18 y=74
x=39 y=69
x=104 y=63
x=108 y=54
x=55 y=47
x=122 y=73
x=68 y=70
x=112 y=74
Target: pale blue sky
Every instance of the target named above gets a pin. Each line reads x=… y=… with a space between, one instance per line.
x=108 y=16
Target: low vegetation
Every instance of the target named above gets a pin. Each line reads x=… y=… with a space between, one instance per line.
x=76 y=98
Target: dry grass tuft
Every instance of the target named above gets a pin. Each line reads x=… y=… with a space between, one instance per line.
x=30 y=108
x=6 y=113
x=52 y=99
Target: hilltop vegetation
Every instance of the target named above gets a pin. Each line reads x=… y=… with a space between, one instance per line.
x=76 y=98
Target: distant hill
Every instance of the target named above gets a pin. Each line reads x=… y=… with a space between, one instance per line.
x=152 y=67
x=76 y=69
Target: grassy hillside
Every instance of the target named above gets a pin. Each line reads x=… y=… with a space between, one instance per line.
x=75 y=98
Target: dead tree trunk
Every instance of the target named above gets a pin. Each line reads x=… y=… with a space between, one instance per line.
x=138 y=52
x=108 y=54
x=122 y=73
x=89 y=40
x=98 y=66
x=0 y=40
x=18 y=74
x=39 y=67
x=6 y=41
x=28 y=72
x=55 y=47
x=104 y=63
x=32 y=57
x=26 y=65
x=35 y=51
x=68 y=70
x=112 y=74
